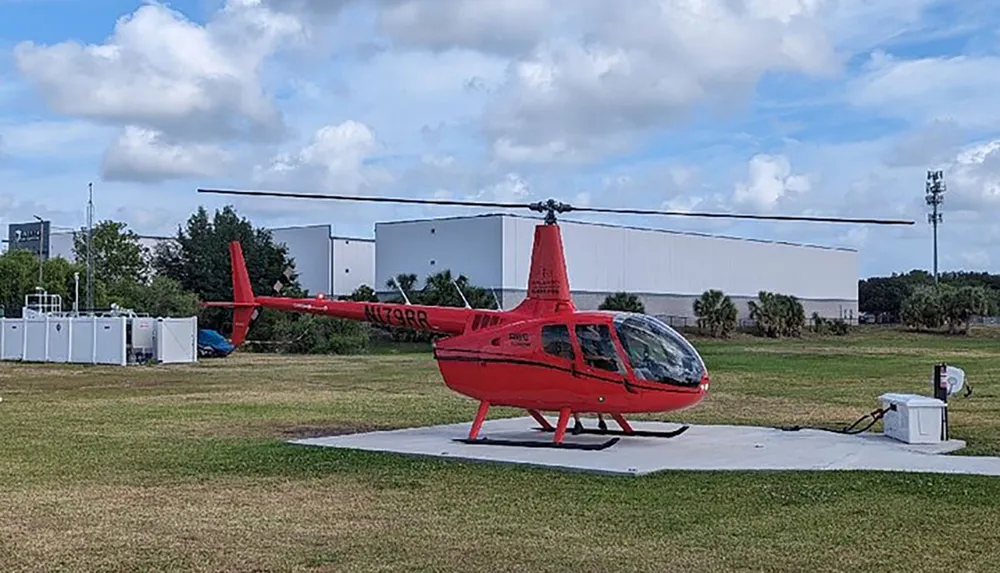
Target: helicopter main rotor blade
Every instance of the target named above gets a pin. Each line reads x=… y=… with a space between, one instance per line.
x=742 y=216
x=412 y=201
x=552 y=207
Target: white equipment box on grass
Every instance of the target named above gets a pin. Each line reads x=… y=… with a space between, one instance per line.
x=915 y=419
x=77 y=340
x=117 y=340
x=176 y=340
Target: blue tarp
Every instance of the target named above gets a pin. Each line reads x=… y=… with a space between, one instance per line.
x=213 y=344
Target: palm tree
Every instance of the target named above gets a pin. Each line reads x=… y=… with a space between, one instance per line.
x=624 y=302
x=716 y=312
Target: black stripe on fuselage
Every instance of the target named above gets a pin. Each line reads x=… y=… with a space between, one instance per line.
x=506 y=359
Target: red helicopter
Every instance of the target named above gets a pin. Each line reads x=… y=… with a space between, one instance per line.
x=544 y=355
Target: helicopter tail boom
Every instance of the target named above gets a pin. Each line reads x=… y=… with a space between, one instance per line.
x=438 y=319
x=443 y=320
x=244 y=302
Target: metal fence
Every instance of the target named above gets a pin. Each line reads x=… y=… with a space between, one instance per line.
x=892 y=321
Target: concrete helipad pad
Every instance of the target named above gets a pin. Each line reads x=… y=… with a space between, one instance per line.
x=700 y=448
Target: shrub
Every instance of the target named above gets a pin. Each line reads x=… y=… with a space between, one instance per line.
x=933 y=307
x=624 y=302
x=777 y=315
x=839 y=327
x=716 y=313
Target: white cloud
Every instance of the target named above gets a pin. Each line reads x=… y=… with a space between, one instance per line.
x=512 y=100
x=162 y=71
x=512 y=189
x=973 y=180
x=17 y=209
x=145 y=155
x=925 y=90
x=647 y=68
x=47 y=138
x=770 y=180
x=334 y=161
x=409 y=95
x=505 y=27
x=858 y=25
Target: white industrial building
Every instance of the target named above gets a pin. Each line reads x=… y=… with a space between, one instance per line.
x=668 y=270
x=61 y=244
x=328 y=264
x=325 y=263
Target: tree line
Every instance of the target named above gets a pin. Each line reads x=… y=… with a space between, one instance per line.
x=774 y=315
x=915 y=300
x=122 y=275
x=171 y=279
x=912 y=299
x=175 y=276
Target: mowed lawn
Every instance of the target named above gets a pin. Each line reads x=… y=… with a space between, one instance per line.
x=184 y=468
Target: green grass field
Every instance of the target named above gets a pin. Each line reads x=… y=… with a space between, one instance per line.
x=185 y=469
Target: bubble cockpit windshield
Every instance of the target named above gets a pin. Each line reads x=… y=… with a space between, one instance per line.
x=657 y=353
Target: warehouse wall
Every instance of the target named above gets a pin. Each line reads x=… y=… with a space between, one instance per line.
x=62 y=245
x=607 y=259
x=353 y=264
x=668 y=270
x=310 y=248
x=471 y=246
x=679 y=309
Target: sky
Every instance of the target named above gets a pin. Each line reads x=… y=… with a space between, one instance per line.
x=790 y=107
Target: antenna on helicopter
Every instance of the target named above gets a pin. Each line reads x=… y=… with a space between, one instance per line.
x=461 y=294
x=400 y=289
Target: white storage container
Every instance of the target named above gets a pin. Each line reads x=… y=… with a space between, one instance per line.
x=916 y=419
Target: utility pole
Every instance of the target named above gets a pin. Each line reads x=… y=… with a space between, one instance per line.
x=934 y=196
x=90 y=245
x=41 y=251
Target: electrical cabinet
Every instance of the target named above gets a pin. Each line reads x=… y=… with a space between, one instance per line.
x=914 y=419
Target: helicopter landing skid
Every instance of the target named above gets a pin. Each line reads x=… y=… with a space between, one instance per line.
x=626 y=429
x=537 y=444
x=630 y=433
x=556 y=443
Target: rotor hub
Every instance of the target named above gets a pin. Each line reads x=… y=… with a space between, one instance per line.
x=550 y=208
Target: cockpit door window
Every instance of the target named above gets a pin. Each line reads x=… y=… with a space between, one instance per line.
x=657 y=353
x=598 y=348
x=556 y=341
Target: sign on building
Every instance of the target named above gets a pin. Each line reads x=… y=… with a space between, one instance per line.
x=34 y=237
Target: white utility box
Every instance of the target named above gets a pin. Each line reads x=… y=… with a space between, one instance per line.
x=176 y=340
x=915 y=420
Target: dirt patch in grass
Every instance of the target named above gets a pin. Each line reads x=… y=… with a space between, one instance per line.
x=225 y=525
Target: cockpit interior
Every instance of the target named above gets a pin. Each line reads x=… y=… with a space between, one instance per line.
x=655 y=352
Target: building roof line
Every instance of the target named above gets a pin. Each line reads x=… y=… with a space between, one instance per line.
x=630 y=227
x=290 y=227
x=139 y=235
